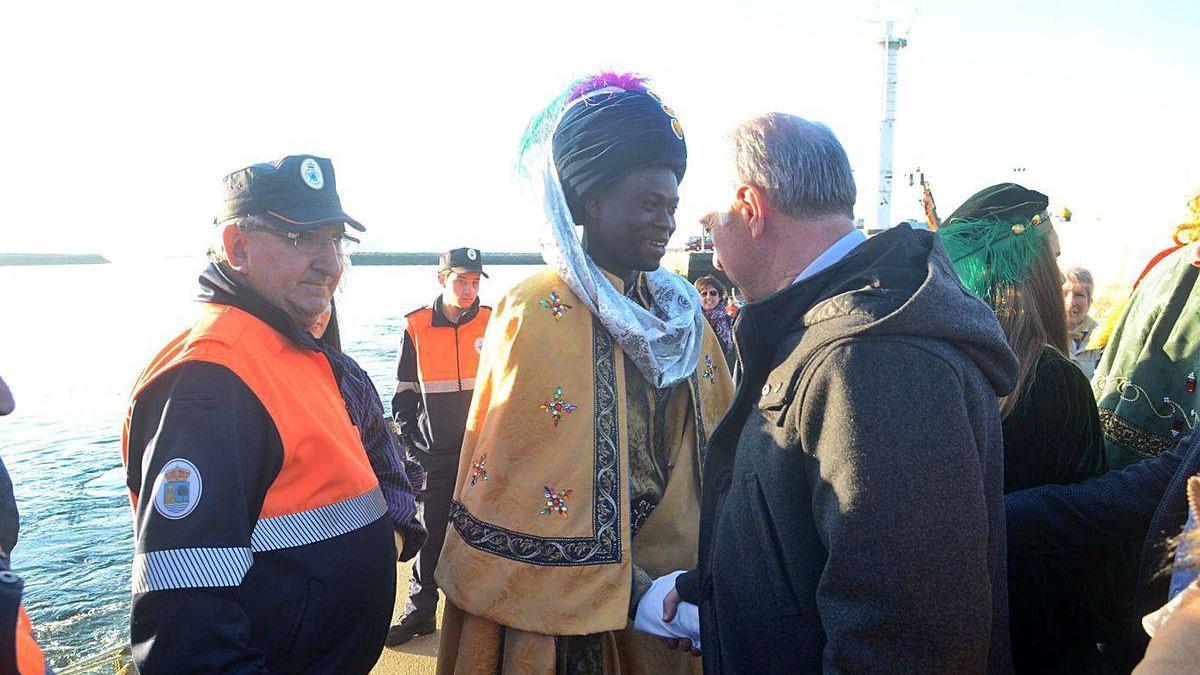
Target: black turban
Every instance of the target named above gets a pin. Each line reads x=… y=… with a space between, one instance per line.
x=606 y=136
x=1006 y=202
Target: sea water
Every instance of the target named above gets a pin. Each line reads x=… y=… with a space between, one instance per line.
x=72 y=341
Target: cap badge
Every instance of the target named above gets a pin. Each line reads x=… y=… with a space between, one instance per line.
x=310 y=171
x=471 y=254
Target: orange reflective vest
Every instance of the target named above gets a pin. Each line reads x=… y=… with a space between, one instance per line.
x=324 y=461
x=436 y=376
x=447 y=354
x=246 y=472
x=29 y=656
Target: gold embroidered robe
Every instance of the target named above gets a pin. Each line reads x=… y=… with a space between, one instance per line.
x=524 y=559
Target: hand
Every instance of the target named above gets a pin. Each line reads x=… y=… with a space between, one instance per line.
x=670 y=606
x=681 y=644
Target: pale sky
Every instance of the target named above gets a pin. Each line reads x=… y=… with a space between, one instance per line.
x=121 y=118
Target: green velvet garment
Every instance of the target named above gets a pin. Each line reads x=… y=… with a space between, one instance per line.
x=1145 y=384
x=1053 y=434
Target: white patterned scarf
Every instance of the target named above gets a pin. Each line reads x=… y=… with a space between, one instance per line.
x=663 y=341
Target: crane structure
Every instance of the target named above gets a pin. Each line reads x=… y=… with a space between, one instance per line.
x=891 y=51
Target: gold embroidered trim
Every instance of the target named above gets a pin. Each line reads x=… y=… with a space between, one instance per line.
x=1132 y=438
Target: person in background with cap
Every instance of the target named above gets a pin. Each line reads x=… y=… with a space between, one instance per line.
x=261 y=537
x=439 y=354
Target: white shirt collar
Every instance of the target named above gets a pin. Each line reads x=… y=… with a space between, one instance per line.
x=840 y=249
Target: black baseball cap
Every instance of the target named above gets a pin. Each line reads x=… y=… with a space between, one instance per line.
x=299 y=192
x=462 y=260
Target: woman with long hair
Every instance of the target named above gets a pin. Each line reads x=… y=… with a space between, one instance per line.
x=1004 y=248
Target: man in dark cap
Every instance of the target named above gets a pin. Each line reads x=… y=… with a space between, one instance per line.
x=439 y=354
x=600 y=382
x=261 y=537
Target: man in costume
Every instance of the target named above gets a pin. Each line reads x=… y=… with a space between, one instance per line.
x=852 y=518
x=599 y=385
x=435 y=378
x=1146 y=383
x=262 y=542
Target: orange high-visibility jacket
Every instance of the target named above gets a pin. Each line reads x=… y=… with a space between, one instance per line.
x=436 y=376
x=257 y=515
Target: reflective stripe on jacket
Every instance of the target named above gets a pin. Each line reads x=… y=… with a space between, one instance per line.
x=326 y=486
x=436 y=375
x=257 y=514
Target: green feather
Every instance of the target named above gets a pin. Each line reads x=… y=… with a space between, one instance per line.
x=540 y=129
x=991 y=255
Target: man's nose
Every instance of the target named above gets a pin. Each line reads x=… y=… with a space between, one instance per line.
x=329 y=259
x=717 y=260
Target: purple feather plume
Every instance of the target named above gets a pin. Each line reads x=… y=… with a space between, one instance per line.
x=627 y=81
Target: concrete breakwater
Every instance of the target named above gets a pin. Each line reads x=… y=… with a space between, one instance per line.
x=691 y=264
x=410 y=258
x=15 y=259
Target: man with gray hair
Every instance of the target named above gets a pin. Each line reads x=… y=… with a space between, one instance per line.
x=852 y=518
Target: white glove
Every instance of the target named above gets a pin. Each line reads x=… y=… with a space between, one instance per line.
x=686 y=623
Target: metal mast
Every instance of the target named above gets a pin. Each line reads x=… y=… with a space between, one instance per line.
x=891 y=47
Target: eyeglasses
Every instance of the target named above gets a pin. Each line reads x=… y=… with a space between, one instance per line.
x=311 y=243
x=705 y=294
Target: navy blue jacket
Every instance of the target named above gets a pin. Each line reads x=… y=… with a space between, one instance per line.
x=319 y=607
x=1141 y=505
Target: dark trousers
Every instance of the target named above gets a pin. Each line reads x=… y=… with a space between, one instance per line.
x=434 y=510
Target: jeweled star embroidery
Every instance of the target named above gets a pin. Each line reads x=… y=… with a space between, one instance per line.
x=557 y=407
x=556 y=306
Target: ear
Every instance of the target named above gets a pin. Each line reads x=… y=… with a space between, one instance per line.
x=752 y=204
x=591 y=207
x=237 y=245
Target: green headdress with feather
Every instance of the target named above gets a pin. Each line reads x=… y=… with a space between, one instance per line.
x=994 y=237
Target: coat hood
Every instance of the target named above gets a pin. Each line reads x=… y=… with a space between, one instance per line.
x=899 y=282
